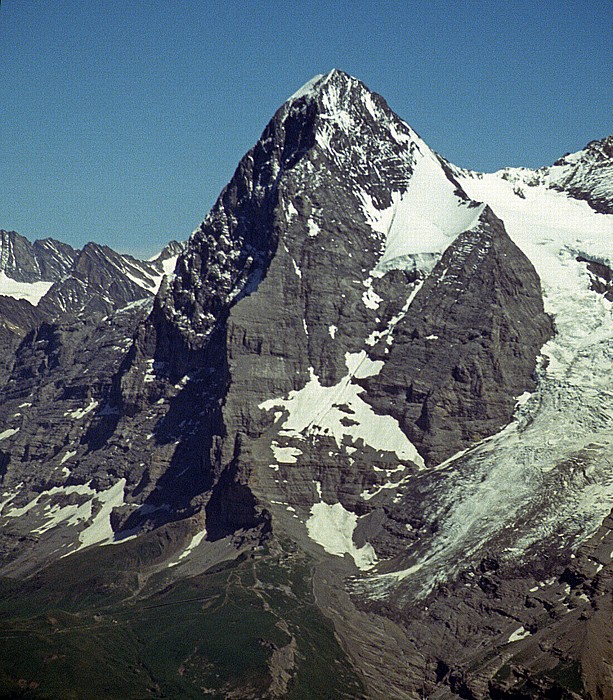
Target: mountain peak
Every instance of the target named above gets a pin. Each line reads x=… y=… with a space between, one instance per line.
x=318 y=82
x=339 y=96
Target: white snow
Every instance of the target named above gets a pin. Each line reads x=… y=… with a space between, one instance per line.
x=169 y=265
x=30 y=291
x=69 y=455
x=367 y=495
x=149 y=375
x=388 y=333
x=332 y=331
x=313 y=228
x=552 y=229
x=194 y=542
x=285 y=455
x=8 y=496
x=297 y=270
x=82 y=412
x=100 y=530
x=82 y=489
x=147 y=283
x=423 y=220
x=291 y=210
x=370 y=298
x=551 y=467
x=72 y=514
x=306 y=88
x=332 y=527
x=361 y=366
x=9 y=432
x=150 y=279
x=319 y=410
x=523 y=398
x=520 y=633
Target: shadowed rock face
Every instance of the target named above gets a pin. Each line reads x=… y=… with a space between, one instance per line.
x=302 y=381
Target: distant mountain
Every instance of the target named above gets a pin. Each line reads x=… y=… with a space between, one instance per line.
x=48 y=280
x=357 y=443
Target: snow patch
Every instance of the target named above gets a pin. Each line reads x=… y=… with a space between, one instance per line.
x=169 y=265
x=82 y=412
x=8 y=496
x=194 y=542
x=306 y=88
x=285 y=455
x=297 y=270
x=100 y=530
x=523 y=399
x=69 y=455
x=371 y=299
x=332 y=527
x=339 y=411
x=30 y=291
x=388 y=333
x=9 y=432
x=520 y=633
x=82 y=489
x=291 y=210
x=361 y=366
x=314 y=229
x=424 y=219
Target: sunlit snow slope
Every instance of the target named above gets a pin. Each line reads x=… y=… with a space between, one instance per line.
x=545 y=481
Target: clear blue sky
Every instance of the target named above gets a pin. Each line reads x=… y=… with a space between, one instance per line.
x=121 y=120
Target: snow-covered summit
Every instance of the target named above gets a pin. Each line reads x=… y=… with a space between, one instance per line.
x=424 y=208
x=317 y=84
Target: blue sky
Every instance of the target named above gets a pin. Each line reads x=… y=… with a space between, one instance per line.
x=121 y=120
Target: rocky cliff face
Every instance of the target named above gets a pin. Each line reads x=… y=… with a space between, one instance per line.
x=46 y=260
x=467 y=347
x=368 y=363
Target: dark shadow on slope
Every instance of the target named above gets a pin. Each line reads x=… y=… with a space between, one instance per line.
x=233 y=507
x=193 y=421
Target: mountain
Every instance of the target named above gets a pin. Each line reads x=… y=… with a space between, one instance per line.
x=48 y=280
x=357 y=445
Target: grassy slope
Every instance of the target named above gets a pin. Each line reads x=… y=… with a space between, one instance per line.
x=75 y=632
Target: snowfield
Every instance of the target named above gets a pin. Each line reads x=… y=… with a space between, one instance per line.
x=320 y=410
x=30 y=291
x=549 y=471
